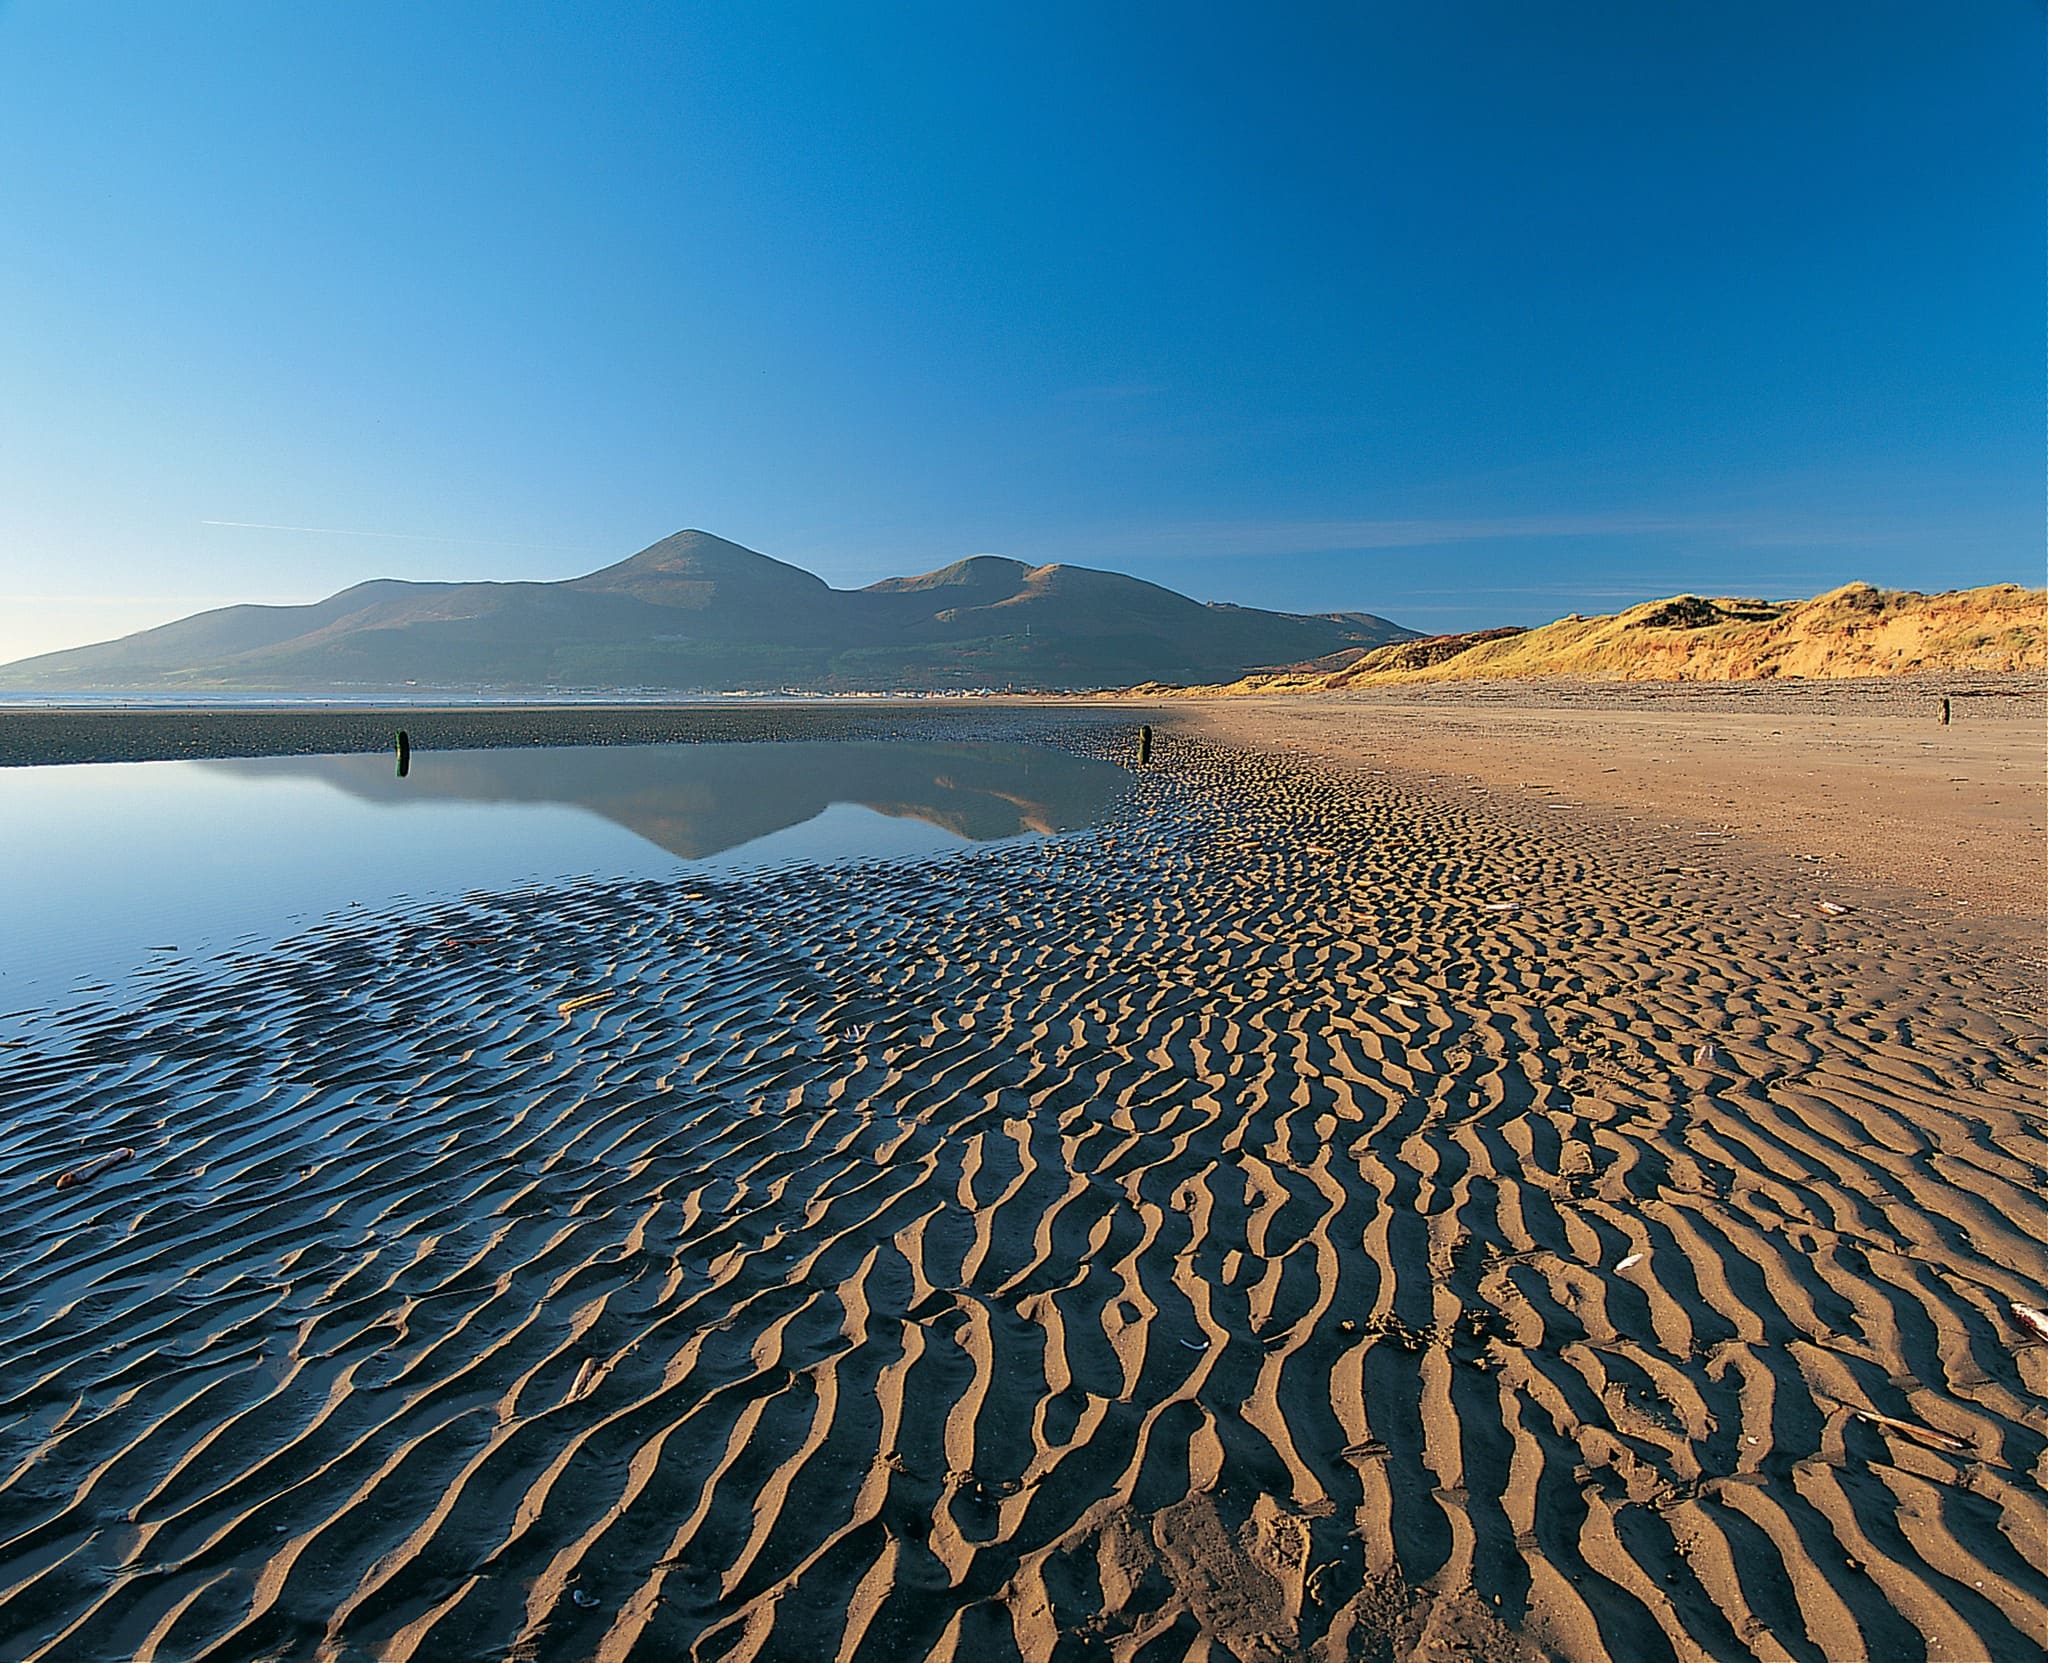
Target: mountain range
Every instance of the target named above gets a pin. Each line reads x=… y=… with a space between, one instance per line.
x=695 y=613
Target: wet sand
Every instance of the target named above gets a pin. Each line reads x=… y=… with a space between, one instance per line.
x=1316 y=1214
x=67 y=734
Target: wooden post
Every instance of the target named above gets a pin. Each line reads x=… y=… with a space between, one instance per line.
x=1944 y=710
x=1144 y=745
x=404 y=753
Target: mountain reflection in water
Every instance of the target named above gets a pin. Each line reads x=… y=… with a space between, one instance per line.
x=699 y=800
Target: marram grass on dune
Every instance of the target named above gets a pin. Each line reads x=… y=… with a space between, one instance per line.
x=1854 y=631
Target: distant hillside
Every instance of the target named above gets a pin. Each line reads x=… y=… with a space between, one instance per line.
x=697 y=613
x=1851 y=631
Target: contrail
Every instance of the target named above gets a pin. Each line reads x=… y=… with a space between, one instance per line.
x=393 y=536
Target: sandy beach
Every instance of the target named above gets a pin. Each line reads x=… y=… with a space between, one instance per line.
x=1860 y=779
x=1326 y=1211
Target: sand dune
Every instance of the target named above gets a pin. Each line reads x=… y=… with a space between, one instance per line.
x=1850 y=632
x=1308 y=1217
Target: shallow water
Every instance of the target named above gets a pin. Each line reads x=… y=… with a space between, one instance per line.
x=127 y=871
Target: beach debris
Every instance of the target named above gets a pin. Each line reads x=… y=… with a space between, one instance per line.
x=589 y=1602
x=858 y=1034
x=587 y=1379
x=1913 y=1429
x=1405 y=1004
x=583 y=1001
x=1196 y=1345
x=1632 y=1259
x=1319 y=851
x=2030 y=1320
x=1834 y=909
x=93 y=1168
x=1500 y=906
x=1709 y=1056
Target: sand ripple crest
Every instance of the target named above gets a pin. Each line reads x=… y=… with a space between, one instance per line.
x=1304 y=1217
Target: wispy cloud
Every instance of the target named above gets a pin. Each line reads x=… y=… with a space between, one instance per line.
x=1309 y=536
x=388 y=536
x=191 y=602
x=1285 y=537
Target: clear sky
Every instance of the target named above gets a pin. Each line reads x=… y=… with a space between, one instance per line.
x=1463 y=313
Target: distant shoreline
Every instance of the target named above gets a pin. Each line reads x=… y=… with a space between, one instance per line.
x=50 y=735
x=145 y=727
x=1861 y=773
x=455 y=699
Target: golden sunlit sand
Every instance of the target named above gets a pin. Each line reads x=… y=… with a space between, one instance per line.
x=1850 y=632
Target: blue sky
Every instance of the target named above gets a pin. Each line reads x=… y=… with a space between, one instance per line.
x=1463 y=313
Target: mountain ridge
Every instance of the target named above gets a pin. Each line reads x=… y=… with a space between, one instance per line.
x=696 y=612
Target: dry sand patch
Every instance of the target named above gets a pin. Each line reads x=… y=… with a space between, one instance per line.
x=1860 y=779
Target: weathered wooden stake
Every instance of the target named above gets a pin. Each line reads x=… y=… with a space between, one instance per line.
x=1944 y=710
x=404 y=753
x=1144 y=745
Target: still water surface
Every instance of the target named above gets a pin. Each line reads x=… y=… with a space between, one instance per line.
x=122 y=871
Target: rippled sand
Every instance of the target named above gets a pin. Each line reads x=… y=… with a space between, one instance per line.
x=1308 y=1217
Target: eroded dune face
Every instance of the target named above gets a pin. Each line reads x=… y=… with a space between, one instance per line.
x=1305 y=1218
x=1849 y=633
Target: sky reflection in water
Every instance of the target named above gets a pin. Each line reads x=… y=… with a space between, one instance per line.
x=120 y=868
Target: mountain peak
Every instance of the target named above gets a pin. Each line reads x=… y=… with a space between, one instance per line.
x=695 y=554
x=975 y=571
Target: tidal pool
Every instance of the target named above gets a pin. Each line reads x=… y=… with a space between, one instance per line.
x=125 y=871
